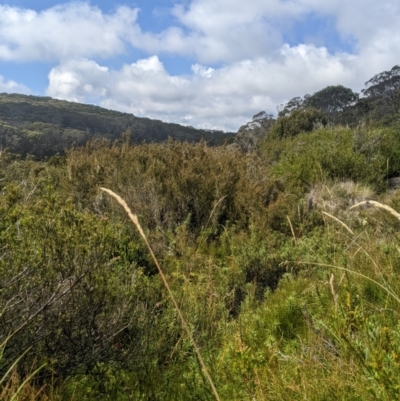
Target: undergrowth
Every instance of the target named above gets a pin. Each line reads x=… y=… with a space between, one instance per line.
x=287 y=291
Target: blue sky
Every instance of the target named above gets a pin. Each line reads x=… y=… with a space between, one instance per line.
x=206 y=63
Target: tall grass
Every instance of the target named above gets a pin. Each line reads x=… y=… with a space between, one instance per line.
x=135 y=221
x=379 y=206
x=10 y=385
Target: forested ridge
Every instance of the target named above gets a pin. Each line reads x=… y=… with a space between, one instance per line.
x=281 y=248
x=42 y=126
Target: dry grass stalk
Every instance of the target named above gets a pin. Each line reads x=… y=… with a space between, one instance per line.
x=135 y=221
x=334 y=293
x=380 y=206
x=339 y=221
x=291 y=229
x=390 y=292
x=334 y=290
x=215 y=206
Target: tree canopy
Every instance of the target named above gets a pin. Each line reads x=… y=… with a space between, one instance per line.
x=331 y=101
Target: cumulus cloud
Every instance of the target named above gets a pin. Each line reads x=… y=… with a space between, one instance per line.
x=231 y=30
x=209 y=31
x=64 y=31
x=220 y=98
x=11 y=86
x=363 y=19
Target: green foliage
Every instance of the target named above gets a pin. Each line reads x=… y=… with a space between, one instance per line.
x=384 y=84
x=366 y=156
x=63 y=291
x=298 y=121
x=333 y=101
x=250 y=134
x=379 y=102
x=284 y=301
x=172 y=183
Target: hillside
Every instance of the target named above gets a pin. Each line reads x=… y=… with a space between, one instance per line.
x=282 y=253
x=43 y=126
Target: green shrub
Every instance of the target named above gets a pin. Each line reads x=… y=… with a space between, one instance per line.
x=298 y=121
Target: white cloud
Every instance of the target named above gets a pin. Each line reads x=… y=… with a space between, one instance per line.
x=207 y=30
x=221 y=98
x=66 y=81
x=364 y=19
x=11 y=86
x=70 y=30
x=232 y=30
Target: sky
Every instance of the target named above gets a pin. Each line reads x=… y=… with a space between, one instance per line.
x=210 y=64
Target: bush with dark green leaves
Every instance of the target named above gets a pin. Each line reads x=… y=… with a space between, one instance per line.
x=298 y=121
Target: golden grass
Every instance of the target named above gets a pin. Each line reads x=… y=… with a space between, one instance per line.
x=292 y=230
x=185 y=326
x=339 y=221
x=215 y=206
x=379 y=206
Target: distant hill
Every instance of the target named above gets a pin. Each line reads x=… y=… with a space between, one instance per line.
x=43 y=126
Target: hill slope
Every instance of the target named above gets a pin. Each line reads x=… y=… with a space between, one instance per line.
x=44 y=126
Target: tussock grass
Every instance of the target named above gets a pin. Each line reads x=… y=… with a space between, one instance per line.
x=337 y=197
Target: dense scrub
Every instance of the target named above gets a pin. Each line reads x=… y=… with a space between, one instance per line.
x=288 y=293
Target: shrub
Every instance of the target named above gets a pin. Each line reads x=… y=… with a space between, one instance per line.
x=298 y=121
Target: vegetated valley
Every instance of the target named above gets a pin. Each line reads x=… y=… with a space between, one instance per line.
x=280 y=244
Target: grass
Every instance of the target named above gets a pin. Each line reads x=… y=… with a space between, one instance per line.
x=340 y=222
x=135 y=221
x=10 y=385
x=379 y=206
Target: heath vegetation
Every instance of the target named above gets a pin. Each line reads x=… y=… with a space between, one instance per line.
x=281 y=251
